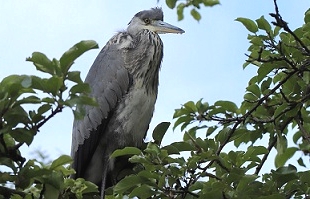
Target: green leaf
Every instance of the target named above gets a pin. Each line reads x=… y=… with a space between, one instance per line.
x=258 y=41
x=80 y=88
x=284 y=174
x=276 y=31
x=74 y=52
x=265 y=84
x=222 y=135
x=281 y=159
x=44 y=108
x=126 y=151
x=80 y=100
x=180 y=9
x=127 y=183
x=50 y=192
x=29 y=100
x=159 y=132
x=245 y=181
x=227 y=105
x=5 y=176
x=254 y=89
x=171 y=3
x=38 y=82
x=143 y=191
x=190 y=134
x=210 y=3
x=180 y=120
x=263 y=71
x=211 y=130
x=180 y=112
x=248 y=23
x=190 y=106
x=263 y=24
x=307 y=16
x=281 y=144
x=53 y=85
x=253 y=151
x=42 y=63
x=202 y=107
x=195 y=14
x=183 y=146
x=301 y=162
x=280 y=110
x=152 y=148
x=75 y=76
x=90 y=187
x=171 y=149
x=23 y=135
x=16 y=116
x=13 y=85
x=61 y=161
x=48 y=100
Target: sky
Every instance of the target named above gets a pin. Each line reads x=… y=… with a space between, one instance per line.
x=204 y=62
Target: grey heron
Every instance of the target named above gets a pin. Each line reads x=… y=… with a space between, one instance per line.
x=124 y=81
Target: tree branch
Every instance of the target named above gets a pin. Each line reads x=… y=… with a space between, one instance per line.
x=58 y=109
x=283 y=24
x=260 y=166
x=304 y=132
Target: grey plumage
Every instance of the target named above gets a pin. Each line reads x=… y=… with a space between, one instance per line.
x=124 y=80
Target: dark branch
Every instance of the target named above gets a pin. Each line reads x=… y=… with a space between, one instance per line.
x=58 y=109
x=271 y=145
x=283 y=24
x=304 y=132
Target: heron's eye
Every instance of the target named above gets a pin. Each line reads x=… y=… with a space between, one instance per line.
x=147 y=21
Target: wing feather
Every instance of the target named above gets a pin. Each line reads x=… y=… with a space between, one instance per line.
x=109 y=81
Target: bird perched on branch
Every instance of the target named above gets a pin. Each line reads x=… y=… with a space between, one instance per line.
x=124 y=81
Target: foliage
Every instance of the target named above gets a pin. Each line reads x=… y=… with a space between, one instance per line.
x=194 y=4
x=18 y=126
x=275 y=108
x=202 y=165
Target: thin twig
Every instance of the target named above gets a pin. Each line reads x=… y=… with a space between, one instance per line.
x=283 y=24
x=304 y=132
x=58 y=109
x=271 y=145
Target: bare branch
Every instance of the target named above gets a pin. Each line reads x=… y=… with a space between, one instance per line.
x=283 y=24
x=305 y=133
x=58 y=109
x=271 y=145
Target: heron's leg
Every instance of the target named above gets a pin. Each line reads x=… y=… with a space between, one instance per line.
x=104 y=177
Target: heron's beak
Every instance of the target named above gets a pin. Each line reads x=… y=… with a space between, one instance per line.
x=161 y=27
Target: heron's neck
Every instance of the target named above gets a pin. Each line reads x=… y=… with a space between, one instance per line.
x=145 y=58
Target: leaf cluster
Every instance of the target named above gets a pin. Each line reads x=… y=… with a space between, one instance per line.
x=27 y=102
x=193 y=4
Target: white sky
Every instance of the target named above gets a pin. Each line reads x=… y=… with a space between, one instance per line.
x=205 y=62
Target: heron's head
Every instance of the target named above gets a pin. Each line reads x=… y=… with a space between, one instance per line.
x=152 y=20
